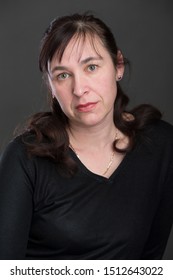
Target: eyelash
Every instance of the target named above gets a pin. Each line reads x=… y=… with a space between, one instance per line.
x=91 y=65
x=60 y=76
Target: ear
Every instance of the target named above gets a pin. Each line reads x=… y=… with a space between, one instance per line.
x=119 y=66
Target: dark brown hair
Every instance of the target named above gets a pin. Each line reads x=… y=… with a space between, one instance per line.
x=51 y=138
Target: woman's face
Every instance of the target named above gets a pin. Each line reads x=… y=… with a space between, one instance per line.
x=84 y=82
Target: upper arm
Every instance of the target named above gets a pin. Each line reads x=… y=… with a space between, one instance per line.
x=15 y=203
x=162 y=223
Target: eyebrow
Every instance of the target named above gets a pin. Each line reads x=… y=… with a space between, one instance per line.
x=90 y=58
x=84 y=61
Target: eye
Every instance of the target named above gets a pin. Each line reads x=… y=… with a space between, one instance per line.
x=63 y=76
x=92 y=67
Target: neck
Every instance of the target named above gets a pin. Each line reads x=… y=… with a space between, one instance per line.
x=92 y=138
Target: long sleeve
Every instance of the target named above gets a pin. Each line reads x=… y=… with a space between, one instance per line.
x=162 y=223
x=15 y=202
x=45 y=215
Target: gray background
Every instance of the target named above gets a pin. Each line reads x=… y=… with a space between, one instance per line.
x=143 y=29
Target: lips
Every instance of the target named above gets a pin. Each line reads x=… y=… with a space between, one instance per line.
x=86 y=107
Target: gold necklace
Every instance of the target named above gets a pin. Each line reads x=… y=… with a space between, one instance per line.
x=110 y=161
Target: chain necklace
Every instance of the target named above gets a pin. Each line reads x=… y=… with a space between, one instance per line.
x=110 y=161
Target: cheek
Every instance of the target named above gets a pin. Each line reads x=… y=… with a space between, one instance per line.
x=108 y=87
x=64 y=101
x=113 y=85
x=57 y=92
x=51 y=87
x=60 y=93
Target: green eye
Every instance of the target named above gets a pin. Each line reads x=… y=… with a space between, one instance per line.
x=92 y=67
x=63 y=76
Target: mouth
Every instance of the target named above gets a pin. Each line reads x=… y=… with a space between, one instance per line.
x=86 y=107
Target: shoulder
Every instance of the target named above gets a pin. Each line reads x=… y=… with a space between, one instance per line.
x=17 y=170
x=16 y=147
x=158 y=138
x=15 y=156
x=160 y=130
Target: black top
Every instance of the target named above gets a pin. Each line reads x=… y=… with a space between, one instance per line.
x=44 y=215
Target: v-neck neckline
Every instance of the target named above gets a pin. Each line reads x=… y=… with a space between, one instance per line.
x=96 y=176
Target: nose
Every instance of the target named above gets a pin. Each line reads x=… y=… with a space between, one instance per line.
x=80 y=86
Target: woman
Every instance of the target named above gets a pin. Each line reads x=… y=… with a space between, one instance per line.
x=89 y=179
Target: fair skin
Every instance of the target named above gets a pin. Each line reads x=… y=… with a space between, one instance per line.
x=84 y=84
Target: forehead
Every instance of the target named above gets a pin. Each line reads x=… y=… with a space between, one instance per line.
x=81 y=46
